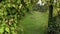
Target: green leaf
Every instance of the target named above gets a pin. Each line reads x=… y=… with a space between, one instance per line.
x=1 y=30
x=13 y=32
x=7 y=29
x=12 y=28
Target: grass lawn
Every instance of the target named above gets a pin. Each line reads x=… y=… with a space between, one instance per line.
x=36 y=23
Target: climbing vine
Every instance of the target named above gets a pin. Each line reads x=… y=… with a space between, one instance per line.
x=11 y=12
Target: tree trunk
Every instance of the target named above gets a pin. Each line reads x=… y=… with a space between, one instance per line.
x=50 y=21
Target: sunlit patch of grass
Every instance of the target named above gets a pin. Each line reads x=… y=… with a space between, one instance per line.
x=36 y=23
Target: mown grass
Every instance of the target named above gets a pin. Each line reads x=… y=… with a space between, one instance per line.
x=36 y=23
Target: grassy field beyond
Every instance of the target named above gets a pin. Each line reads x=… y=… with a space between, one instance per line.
x=36 y=23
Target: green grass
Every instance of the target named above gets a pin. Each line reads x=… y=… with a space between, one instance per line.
x=36 y=23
